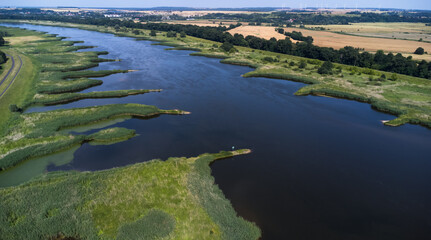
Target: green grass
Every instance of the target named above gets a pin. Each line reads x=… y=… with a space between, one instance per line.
x=155 y=199
x=55 y=99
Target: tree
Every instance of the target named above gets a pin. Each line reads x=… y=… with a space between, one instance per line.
x=171 y=34
x=226 y=46
x=419 y=51
x=280 y=30
x=2 y=41
x=326 y=68
x=183 y=34
x=3 y=57
x=302 y=64
x=349 y=55
x=136 y=32
x=153 y=33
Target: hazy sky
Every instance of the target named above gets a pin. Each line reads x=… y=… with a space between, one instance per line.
x=412 y=4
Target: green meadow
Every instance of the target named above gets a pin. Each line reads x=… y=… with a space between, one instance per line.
x=171 y=199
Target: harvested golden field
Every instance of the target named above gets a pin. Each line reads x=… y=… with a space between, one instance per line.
x=335 y=40
x=258 y=31
x=412 y=31
x=377 y=27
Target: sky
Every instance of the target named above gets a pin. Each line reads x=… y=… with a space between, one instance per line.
x=412 y=4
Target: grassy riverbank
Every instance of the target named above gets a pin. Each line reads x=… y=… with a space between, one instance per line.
x=172 y=199
x=406 y=97
x=51 y=73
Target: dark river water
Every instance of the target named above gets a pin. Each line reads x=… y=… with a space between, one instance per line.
x=321 y=168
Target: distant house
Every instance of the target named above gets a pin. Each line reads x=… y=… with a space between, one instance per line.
x=112 y=15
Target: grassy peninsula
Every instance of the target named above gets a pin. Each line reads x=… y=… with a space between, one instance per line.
x=406 y=97
x=172 y=199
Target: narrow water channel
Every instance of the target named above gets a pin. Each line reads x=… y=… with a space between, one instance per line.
x=321 y=168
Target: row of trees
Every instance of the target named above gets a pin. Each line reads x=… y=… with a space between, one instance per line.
x=3 y=57
x=298 y=36
x=282 y=17
x=347 y=55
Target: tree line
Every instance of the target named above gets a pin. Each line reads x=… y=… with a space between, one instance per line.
x=281 y=18
x=347 y=55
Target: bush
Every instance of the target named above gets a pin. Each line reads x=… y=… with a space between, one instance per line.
x=136 y=32
x=171 y=34
x=183 y=34
x=270 y=59
x=14 y=108
x=419 y=51
x=153 y=33
x=292 y=64
x=326 y=68
x=226 y=46
x=302 y=64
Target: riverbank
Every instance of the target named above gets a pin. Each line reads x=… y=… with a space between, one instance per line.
x=172 y=199
x=51 y=73
x=405 y=97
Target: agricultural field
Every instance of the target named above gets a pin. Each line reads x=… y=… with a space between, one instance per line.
x=258 y=31
x=337 y=40
x=410 y=31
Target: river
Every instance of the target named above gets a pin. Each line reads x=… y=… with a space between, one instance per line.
x=321 y=168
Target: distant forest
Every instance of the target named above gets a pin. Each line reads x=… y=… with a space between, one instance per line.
x=347 y=55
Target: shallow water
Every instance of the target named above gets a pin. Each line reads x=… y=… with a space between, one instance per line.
x=321 y=168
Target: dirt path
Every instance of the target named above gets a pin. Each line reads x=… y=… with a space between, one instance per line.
x=8 y=73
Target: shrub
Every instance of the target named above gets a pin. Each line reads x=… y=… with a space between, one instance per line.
x=171 y=34
x=419 y=51
x=183 y=34
x=326 y=68
x=302 y=64
x=270 y=59
x=226 y=46
x=153 y=33
x=14 y=108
